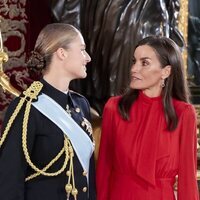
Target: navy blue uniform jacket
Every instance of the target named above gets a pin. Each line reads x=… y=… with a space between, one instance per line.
x=45 y=140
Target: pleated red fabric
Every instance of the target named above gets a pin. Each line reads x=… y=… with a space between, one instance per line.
x=139 y=158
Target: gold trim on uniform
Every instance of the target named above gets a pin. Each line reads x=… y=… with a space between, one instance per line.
x=87 y=125
x=30 y=94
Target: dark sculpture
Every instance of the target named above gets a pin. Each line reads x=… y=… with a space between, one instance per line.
x=194 y=42
x=111 y=30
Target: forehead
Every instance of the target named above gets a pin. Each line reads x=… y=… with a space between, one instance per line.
x=78 y=40
x=145 y=51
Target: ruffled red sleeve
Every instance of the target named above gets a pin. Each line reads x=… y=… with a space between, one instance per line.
x=187 y=183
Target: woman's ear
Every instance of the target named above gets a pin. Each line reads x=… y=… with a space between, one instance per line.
x=166 y=71
x=61 y=53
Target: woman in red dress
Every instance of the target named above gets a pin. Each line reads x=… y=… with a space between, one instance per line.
x=149 y=133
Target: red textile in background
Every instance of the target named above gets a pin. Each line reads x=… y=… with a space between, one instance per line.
x=21 y=23
x=39 y=14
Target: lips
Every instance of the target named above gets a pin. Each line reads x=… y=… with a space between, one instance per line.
x=135 y=78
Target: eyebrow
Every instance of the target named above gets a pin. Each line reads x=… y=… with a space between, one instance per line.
x=83 y=45
x=145 y=58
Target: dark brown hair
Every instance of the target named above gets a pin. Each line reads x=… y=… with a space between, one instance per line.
x=168 y=53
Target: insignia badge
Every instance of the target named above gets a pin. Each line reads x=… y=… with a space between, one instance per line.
x=87 y=125
x=68 y=110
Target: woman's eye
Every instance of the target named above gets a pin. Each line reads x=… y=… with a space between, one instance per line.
x=133 y=61
x=145 y=63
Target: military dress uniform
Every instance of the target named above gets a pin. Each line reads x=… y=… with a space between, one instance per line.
x=44 y=142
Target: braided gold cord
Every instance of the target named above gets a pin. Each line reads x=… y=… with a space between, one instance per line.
x=64 y=149
x=11 y=120
x=25 y=149
x=30 y=94
x=47 y=167
x=71 y=188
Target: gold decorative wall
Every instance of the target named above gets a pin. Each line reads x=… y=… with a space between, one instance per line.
x=183 y=26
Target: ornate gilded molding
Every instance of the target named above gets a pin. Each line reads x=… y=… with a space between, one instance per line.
x=183 y=26
x=13 y=24
x=4 y=79
x=13 y=30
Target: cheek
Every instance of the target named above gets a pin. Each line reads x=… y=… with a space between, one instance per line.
x=79 y=58
x=151 y=78
x=152 y=74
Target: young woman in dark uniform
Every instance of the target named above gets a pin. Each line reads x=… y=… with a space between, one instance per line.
x=46 y=148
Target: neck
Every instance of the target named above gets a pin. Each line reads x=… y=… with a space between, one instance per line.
x=61 y=83
x=152 y=93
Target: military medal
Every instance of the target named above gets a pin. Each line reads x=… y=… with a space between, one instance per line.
x=87 y=125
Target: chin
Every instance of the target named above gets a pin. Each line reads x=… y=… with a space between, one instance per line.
x=135 y=87
x=83 y=75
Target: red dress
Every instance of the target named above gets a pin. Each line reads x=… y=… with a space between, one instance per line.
x=139 y=158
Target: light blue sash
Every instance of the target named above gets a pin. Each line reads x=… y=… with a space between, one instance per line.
x=81 y=142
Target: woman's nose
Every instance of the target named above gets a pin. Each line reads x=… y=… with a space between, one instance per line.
x=88 y=58
x=134 y=68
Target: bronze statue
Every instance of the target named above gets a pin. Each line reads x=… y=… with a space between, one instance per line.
x=194 y=43
x=111 y=30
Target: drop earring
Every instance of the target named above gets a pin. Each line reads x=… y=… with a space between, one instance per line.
x=163 y=83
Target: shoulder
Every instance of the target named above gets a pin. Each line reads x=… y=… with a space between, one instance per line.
x=76 y=94
x=11 y=109
x=13 y=104
x=182 y=107
x=78 y=97
x=112 y=103
x=79 y=101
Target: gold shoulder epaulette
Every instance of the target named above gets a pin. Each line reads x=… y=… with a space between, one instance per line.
x=32 y=93
x=33 y=90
